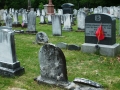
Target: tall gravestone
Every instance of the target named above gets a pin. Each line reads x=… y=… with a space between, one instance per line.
x=56 y=25
x=9 y=20
x=42 y=20
x=81 y=21
x=52 y=66
x=50 y=8
x=108 y=45
x=9 y=66
x=49 y=19
x=15 y=23
x=31 y=22
x=67 y=23
x=24 y=18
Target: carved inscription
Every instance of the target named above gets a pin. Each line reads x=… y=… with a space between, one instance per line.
x=90 y=29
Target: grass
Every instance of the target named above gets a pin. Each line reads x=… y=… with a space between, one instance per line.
x=102 y=69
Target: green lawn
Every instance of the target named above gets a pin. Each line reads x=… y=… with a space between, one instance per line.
x=102 y=69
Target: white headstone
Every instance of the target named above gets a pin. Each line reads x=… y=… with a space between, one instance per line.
x=81 y=21
x=9 y=66
x=67 y=22
x=56 y=25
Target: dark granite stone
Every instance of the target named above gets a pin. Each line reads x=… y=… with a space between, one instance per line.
x=92 y=22
x=73 y=47
x=52 y=66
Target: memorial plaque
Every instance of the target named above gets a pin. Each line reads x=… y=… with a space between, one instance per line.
x=108 y=22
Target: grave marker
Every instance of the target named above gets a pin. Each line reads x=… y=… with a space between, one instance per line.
x=108 y=45
x=56 y=25
x=9 y=66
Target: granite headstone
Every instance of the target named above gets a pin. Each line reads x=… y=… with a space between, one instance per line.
x=9 y=66
x=92 y=22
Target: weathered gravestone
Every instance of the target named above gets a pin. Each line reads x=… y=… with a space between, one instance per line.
x=52 y=66
x=31 y=22
x=56 y=25
x=54 y=72
x=42 y=20
x=9 y=66
x=108 y=45
x=24 y=18
x=38 y=12
x=81 y=21
x=15 y=23
x=9 y=20
x=41 y=37
x=67 y=23
x=49 y=19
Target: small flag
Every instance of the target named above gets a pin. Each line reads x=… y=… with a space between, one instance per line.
x=100 y=33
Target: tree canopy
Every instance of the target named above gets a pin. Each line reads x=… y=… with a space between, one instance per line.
x=77 y=3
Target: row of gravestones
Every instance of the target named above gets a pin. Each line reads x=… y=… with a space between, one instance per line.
x=52 y=64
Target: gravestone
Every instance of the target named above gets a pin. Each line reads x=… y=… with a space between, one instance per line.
x=52 y=66
x=24 y=19
x=49 y=19
x=62 y=45
x=54 y=72
x=15 y=23
x=38 y=12
x=95 y=11
x=105 y=10
x=92 y=22
x=67 y=8
x=31 y=27
x=108 y=45
x=81 y=21
x=56 y=25
x=4 y=17
x=9 y=20
x=73 y=47
x=42 y=20
x=9 y=66
x=41 y=37
x=43 y=12
x=67 y=23
x=99 y=8
x=50 y=8
x=111 y=10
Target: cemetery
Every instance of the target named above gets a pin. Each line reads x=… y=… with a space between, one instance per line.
x=60 y=49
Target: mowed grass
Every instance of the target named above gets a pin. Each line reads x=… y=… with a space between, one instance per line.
x=102 y=69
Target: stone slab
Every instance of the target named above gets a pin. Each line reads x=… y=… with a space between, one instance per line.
x=107 y=50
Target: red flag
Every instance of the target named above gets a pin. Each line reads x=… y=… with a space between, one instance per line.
x=100 y=33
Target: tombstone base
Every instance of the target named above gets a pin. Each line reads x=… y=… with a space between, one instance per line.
x=31 y=32
x=11 y=70
x=42 y=23
x=67 y=29
x=16 y=24
x=107 y=50
x=49 y=23
x=80 y=30
x=40 y=80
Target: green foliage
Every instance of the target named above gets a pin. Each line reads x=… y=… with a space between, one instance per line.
x=41 y=6
x=5 y=7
